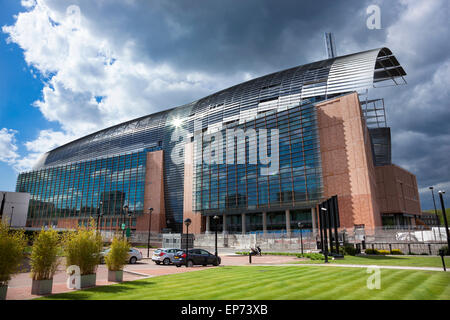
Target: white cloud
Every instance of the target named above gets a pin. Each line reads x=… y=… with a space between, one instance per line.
x=91 y=80
x=46 y=140
x=8 y=147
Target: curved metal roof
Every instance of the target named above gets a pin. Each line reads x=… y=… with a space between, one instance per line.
x=240 y=103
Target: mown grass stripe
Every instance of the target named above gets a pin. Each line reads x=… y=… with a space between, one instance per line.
x=270 y=282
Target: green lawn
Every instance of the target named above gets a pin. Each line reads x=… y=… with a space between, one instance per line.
x=410 y=261
x=272 y=282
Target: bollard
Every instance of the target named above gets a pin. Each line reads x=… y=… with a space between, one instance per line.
x=390 y=247
x=429 y=248
x=409 y=248
x=250 y=257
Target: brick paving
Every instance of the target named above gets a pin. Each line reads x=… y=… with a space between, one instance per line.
x=19 y=288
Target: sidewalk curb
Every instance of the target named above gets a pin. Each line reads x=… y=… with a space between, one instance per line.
x=364 y=266
x=139 y=274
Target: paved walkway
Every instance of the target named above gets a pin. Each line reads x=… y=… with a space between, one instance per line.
x=345 y=265
x=365 y=266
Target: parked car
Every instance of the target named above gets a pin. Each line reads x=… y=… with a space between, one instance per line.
x=405 y=236
x=195 y=257
x=164 y=255
x=134 y=255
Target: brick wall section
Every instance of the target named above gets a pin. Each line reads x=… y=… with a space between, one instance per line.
x=153 y=194
x=397 y=190
x=66 y=223
x=347 y=166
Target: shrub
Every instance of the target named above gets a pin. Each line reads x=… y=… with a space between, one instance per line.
x=312 y=256
x=446 y=250
x=396 y=252
x=82 y=248
x=12 y=246
x=383 y=252
x=117 y=255
x=44 y=255
x=371 y=251
x=348 y=249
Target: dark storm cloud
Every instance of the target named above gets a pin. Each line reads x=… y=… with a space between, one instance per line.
x=227 y=36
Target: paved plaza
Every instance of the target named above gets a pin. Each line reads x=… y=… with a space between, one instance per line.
x=20 y=285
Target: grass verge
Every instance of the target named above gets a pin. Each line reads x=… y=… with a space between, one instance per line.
x=272 y=283
x=380 y=260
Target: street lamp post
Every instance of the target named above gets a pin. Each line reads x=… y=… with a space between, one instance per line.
x=300 y=226
x=125 y=208
x=325 y=253
x=187 y=222
x=216 y=222
x=441 y=197
x=12 y=213
x=150 y=210
x=434 y=203
x=129 y=223
x=99 y=214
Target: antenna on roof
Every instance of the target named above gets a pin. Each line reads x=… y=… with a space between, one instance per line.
x=329 y=43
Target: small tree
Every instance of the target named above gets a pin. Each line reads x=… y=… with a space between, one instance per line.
x=82 y=248
x=44 y=256
x=12 y=246
x=117 y=255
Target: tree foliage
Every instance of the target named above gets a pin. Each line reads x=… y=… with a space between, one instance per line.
x=12 y=247
x=44 y=255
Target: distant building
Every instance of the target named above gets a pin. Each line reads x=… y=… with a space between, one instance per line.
x=14 y=208
x=430 y=219
x=323 y=134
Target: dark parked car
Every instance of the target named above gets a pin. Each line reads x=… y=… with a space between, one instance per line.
x=195 y=257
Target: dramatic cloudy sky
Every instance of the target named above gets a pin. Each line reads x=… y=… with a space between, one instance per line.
x=67 y=72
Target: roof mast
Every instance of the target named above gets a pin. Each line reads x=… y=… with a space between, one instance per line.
x=330 y=45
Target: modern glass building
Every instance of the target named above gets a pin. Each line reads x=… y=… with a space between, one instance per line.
x=253 y=154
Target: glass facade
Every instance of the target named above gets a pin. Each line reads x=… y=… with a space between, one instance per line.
x=69 y=182
x=240 y=187
x=80 y=190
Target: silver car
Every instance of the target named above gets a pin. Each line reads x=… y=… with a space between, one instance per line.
x=164 y=255
x=134 y=255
